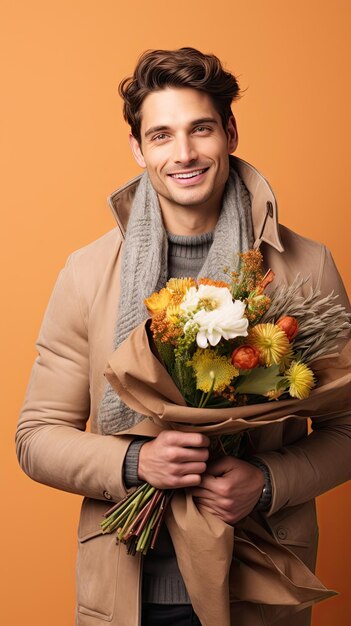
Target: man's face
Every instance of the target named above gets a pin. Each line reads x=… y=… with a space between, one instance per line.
x=184 y=147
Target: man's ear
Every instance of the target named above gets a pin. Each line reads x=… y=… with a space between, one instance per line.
x=232 y=133
x=136 y=149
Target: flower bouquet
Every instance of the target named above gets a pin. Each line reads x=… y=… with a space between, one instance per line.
x=225 y=345
x=225 y=358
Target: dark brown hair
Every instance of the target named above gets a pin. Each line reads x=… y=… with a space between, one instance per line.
x=185 y=67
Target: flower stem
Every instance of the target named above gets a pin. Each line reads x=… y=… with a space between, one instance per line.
x=137 y=525
x=203 y=400
x=119 y=515
x=141 y=545
x=130 y=516
x=167 y=497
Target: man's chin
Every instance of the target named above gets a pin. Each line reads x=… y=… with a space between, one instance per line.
x=190 y=198
x=191 y=203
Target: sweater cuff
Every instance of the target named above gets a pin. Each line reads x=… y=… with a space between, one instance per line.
x=131 y=462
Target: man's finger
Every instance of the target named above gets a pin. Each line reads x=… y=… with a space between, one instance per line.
x=187 y=440
x=178 y=454
x=221 y=466
x=206 y=487
x=209 y=505
x=192 y=468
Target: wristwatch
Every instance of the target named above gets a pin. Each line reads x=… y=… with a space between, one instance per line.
x=266 y=496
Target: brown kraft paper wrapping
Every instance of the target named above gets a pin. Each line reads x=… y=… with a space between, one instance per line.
x=252 y=567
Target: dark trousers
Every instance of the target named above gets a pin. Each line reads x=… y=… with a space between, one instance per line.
x=169 y=615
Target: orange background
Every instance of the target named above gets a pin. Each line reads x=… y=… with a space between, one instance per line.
x=65 y=149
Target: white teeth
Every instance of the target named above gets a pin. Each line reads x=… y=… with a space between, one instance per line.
x=189 y=175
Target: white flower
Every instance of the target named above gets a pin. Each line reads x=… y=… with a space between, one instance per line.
x=204 y=296
x=212 y=310
x=190 y=302
x=218 y=296
x=226 y=321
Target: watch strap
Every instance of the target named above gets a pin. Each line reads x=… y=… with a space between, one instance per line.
x=266 y=496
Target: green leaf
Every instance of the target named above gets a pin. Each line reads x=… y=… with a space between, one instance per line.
x=259 y=380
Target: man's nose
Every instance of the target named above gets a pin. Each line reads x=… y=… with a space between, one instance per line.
x=184 y=150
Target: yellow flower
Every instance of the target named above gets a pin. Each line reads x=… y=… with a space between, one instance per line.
x=271 y=342
x=180 y=285
x=158 y=301
x=301 y=380
x=210 y=367
x=173 y=313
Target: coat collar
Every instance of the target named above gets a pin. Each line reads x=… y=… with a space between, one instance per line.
x=263 y=204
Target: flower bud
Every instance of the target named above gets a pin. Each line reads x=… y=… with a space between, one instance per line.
x=245 y=357
x=289 y=325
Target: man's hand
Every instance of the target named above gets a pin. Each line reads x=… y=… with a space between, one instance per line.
x=230 y=488
x=174 y=459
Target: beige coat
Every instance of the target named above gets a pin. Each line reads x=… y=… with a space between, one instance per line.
x=66 y=388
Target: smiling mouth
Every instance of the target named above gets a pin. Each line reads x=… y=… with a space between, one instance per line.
x=191 y=174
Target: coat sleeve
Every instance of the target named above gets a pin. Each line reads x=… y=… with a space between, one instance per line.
x=321 y=460
x=53 y=445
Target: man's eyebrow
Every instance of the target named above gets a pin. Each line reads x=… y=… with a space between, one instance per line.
x=156 y=129
x=201 y=120
x=204 y=120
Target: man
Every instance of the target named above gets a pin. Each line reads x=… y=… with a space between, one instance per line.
x=191 y=211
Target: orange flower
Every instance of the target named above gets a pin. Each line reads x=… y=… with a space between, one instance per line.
x=158 y=301
x=245 y=357
x=163 y=328
x=289 y=325
x=214 y=283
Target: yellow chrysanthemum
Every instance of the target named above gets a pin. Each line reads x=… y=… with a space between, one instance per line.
x=271 y=342
x=210 y=367
x=180 y=285
x=301 y=380
x=173 y=313
x=158 y=301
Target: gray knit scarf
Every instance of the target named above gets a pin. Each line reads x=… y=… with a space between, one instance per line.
x=144 y=270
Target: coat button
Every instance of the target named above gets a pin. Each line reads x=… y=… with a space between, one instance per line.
x=282 y=533
x=107 y=495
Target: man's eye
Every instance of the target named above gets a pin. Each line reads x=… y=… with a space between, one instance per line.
x=202 y=129
x=160 y=137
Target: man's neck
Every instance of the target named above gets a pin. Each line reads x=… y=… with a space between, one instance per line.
x=190 y=224
x=193 y=220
